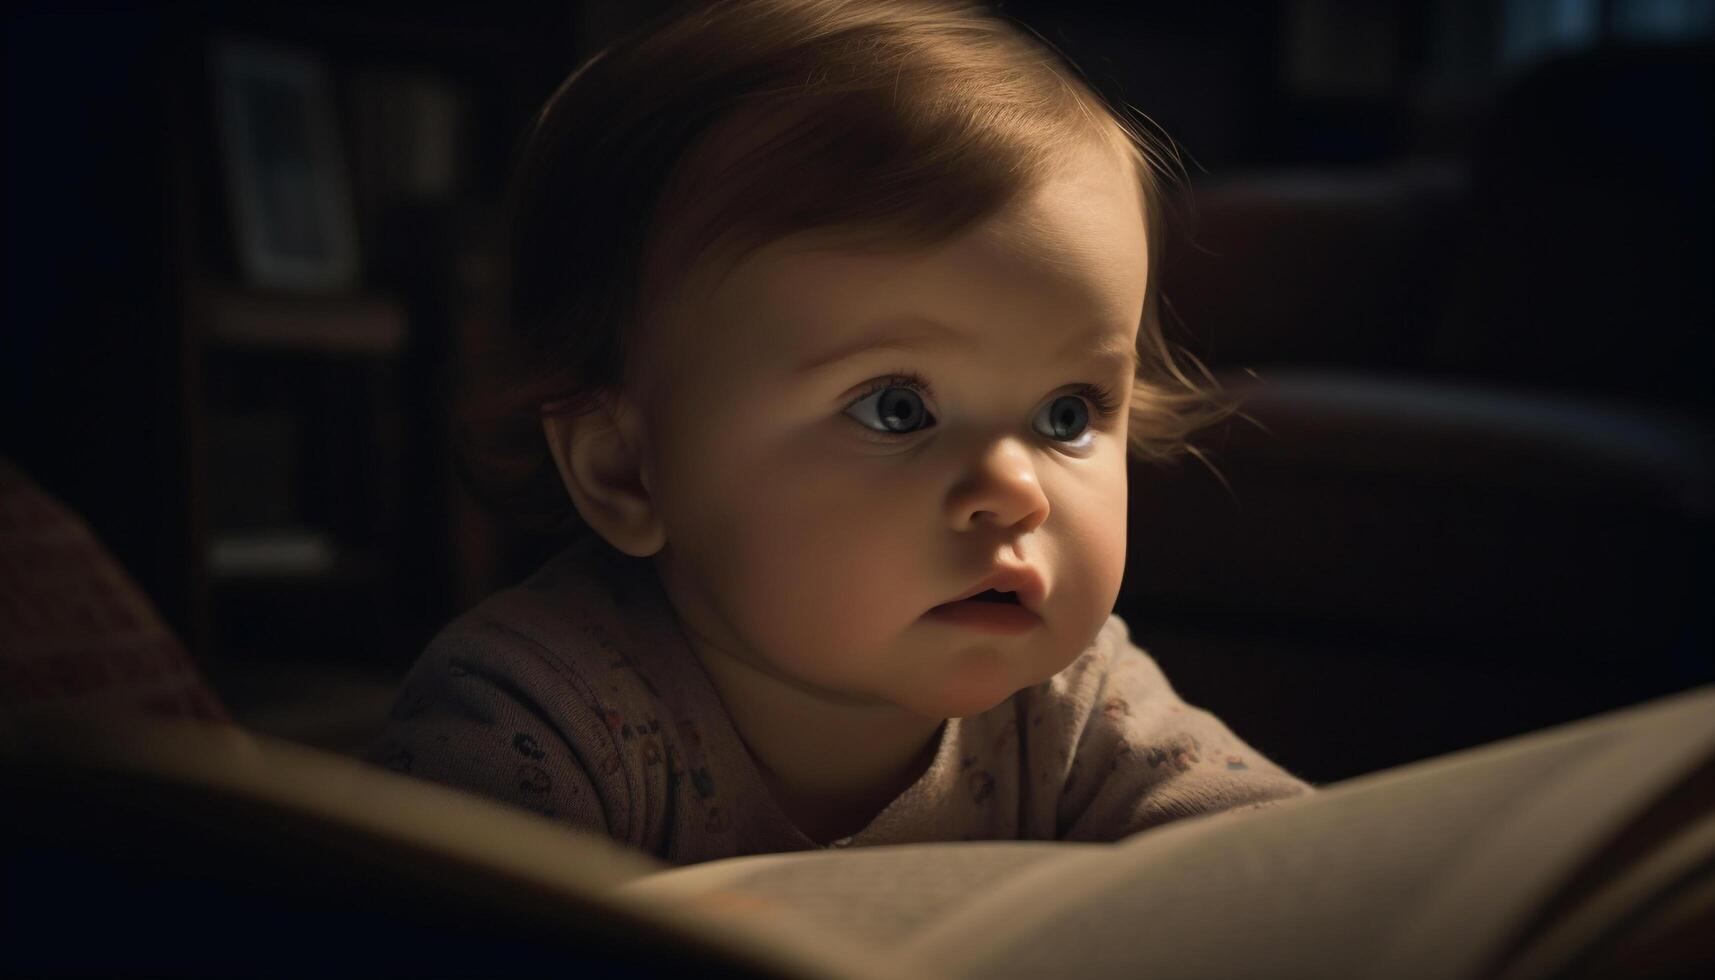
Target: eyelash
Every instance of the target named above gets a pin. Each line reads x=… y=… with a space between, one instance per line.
x=1100 y=396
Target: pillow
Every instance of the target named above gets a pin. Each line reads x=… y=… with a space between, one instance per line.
x=79 y=641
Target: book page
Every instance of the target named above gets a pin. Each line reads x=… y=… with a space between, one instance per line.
x=879 y=896
x=1685 y=861
x=1421 y=871
x=459 y=848
x=1527 y=855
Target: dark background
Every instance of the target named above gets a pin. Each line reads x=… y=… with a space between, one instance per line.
x=1465 y=245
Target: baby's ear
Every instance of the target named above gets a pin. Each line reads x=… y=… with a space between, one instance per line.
x=599 y=456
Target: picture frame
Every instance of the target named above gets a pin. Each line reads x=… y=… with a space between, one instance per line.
x=287 y=186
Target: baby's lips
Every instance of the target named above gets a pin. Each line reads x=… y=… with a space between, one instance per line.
x=1021 y=580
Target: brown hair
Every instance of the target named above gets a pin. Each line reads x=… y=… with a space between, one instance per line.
x=722 y=126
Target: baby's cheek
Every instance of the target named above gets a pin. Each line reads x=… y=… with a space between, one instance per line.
x=1093 y=543
x=819 y=576
x=1106 y=559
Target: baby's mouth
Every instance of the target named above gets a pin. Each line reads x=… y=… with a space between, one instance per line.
x=990 y=611
x=990 y=596
x=1019 y=587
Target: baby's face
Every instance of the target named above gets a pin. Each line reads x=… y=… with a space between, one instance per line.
x=818 y=507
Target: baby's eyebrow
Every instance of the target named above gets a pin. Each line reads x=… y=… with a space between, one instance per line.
x=918 y=333
x=909 y=334
x=1108 y=350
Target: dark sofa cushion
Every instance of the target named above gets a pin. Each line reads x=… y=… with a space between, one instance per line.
x=78 y=638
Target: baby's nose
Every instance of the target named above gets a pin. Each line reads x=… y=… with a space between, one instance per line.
x=1002 y=490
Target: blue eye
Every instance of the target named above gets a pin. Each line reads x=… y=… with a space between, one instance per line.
x=893 y=409
x=894 y=406
x=1068 y=418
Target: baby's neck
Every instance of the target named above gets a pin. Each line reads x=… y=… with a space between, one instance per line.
x=831 y=767
x=825 y=816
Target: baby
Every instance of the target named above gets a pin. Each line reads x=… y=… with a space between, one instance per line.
x=832 y=327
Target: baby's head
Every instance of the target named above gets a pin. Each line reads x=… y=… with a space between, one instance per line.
x=833 y=310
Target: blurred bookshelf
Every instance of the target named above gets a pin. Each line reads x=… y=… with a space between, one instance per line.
x=343 y=324
x=253 y=244
x=334 y=189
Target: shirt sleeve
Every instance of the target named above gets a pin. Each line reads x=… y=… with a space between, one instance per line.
x=1145 y=757
x=477 y=715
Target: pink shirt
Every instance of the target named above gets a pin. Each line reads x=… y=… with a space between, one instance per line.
x=576 y=695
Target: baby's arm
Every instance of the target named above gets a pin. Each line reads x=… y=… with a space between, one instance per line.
x=493 y=724
x=1145 y=757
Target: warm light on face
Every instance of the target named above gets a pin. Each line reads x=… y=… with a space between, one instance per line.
x=845 y=442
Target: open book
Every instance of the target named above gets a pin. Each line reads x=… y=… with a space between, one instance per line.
x=1582 y=850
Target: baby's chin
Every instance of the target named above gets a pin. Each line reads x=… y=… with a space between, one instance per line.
x=977 y=681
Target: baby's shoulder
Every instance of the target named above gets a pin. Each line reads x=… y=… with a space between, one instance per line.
x=538 y=647
x=509 y=625
x=560 y=612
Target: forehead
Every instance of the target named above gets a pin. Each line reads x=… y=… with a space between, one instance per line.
x=1070 y=255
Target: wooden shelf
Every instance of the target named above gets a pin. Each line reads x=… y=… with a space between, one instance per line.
x=336 y=323
x=311 y=561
